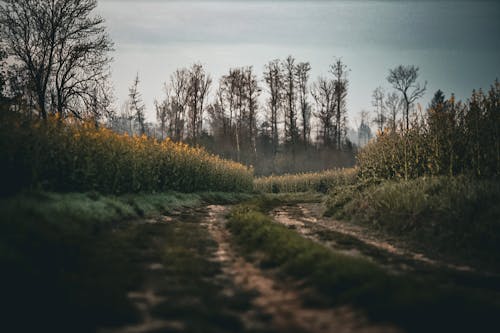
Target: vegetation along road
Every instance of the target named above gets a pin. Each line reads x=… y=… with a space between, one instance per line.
x=219 y=262
x=196 y=263
x=209 y=277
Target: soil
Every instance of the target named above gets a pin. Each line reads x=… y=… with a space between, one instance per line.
x=396 y=256
x=281 y=300
x=222 y=290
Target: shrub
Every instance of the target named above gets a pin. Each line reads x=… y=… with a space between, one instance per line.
x=453 y=214
x=454 y=138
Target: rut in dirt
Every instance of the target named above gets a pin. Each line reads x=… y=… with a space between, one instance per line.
x=183 y=288
x=358 y=241
x=281 y=300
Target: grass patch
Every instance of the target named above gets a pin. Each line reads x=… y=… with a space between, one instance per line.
x=454 y=215
x=267 y=202
x=68 y=260
x=414 y=305
x=189 y=281
x=224 y=198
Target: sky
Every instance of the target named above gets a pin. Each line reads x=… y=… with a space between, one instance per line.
x=454 y=43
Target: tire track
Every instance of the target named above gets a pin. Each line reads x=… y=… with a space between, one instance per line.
x=281 y=301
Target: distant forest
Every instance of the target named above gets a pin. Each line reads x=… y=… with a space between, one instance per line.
x=280 y=124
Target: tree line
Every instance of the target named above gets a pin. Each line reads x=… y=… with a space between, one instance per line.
x=59 y=58
x=248 y=119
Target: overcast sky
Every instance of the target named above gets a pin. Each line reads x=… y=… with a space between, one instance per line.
x=456 y=44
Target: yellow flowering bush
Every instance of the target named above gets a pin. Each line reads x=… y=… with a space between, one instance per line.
x=79 y=157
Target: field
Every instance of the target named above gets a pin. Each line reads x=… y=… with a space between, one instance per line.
x=64 y=157
x=130 y=234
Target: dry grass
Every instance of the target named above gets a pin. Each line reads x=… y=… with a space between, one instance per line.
x=306 y=182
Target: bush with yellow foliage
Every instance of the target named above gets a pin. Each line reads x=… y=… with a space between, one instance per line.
x=58 y=156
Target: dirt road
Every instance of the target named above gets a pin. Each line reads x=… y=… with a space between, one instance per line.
x=226 y=292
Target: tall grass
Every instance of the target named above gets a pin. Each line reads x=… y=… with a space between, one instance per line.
x=305 y=182
x=458 y=215
x=57 y=156
x=453 y=138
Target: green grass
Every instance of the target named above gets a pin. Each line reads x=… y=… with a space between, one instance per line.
x=189 y=281
x=410 y=303
x=267 y=202
x=68 y=260
x=454 y=215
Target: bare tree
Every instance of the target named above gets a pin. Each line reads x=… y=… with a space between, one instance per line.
x=340 y=82
x=219 y=122
x=3 y=78
x=121 y=122
x=199 y=83
x=98 y=105
x=137 y=106
x=378 y=96
x=61 y=46
x=393 y=105
x=230 y=99
x=404 y=79
x=364 y=131
x=162 y=113
x=238 y=93
x=302 y=77
x=179 y=95
x=28 y=27
x=274 y=80
x=252 y=95
x=82 y=60
x=323 y=93
x=290 y=93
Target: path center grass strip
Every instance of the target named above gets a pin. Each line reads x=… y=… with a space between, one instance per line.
x=412 y=304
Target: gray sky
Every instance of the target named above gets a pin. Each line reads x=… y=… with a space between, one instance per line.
x=455 y=43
